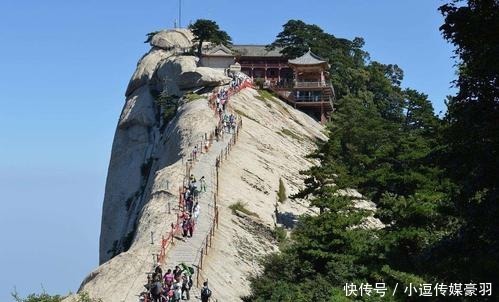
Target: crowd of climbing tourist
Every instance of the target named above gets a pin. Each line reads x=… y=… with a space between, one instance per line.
x=195 y=152
x=172 y=286
x=227 y=121
x=223 y=94
x=191 y=208
x=175 y=285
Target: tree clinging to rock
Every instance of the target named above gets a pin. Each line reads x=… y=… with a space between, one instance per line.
x=209 y=31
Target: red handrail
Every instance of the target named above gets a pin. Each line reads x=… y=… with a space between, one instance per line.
x=167 y=240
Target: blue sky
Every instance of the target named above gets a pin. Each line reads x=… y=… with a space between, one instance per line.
x=64 y=69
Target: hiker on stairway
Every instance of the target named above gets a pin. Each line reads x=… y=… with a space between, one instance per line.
x=187 y=193
x=185 y=287
x=168 y=278
x=206 y=146
x=233 y=126
x=190 y=226
x=177 y=291
x=195 y=152
x=158 y=272
x=205 y=292
x=157 y=291
x=193 y=189
x=189 y=204
x=177 y=272
x=184 y=215
x=193 y=185
x=185 y=228
x=196 y=212
x=149 y=283
x=202 y=182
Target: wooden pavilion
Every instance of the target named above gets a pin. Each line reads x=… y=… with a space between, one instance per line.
x=302 y=82
x=258 y=62
x=310 y=89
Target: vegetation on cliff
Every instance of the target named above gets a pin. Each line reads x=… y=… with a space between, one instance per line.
x=208 y=31
x=44 y=297
x=434 y=181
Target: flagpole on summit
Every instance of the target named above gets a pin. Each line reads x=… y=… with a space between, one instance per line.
x=179 y=13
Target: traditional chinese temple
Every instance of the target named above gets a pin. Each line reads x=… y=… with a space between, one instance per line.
x=302 y=82
x=260 y=63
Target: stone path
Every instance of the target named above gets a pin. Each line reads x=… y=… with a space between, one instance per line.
x=188 y=250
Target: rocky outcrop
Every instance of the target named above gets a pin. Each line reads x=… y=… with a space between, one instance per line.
x=164 y=44
x=135 y=144
x=167 y=39
x=148 y=162
x=145 y=69
x=168 y=73
x=121 y=278
x=139 y=109
x=203 y=76
x=273 y=144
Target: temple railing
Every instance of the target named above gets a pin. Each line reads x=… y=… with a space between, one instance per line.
x=309 y=98
x=263 y=65
x=310 y=85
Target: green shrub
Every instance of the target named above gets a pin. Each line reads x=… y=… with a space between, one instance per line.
x=241 y=207
x=259 y=83
x=190 y=97
x=37 y=298
x=145 y=169
x=280 y=234
x=266 y=94
x=242 y=113
x=85 y=297
x=281 y=194
x=169 y=114
x=289 y=133
x=150 y=36
x=127 y=240
x=44 y=297
x=168 y=105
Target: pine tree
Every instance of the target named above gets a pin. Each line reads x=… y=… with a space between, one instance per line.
x=208 y=31
x=471 y=143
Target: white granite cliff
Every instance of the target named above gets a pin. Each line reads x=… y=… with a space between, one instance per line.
x=147 y=166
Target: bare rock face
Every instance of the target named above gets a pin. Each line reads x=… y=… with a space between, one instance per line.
x=167 y=39
x=264 y=155
x=145 y=69
x=134 y=146
x=169 y=71
x=122 y=277
x=148 y=164
x=131 y=149
x=203 y=76
x=162 y=44
x=138 y=110
x=146 y=167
